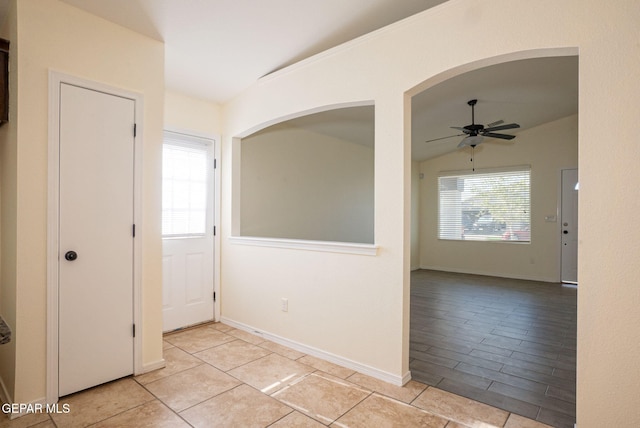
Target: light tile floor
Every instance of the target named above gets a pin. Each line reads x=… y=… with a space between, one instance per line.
x=218 y=376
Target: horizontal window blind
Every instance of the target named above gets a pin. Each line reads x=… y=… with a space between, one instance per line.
x=184 y=186
x=487 y=206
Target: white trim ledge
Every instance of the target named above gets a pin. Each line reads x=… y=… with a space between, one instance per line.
x=299 y=244
x=327 y=356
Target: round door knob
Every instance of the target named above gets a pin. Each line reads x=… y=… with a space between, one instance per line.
x=71 y=255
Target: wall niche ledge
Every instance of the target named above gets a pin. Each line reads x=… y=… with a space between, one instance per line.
x=299 y=244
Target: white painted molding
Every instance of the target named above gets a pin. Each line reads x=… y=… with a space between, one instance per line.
x=318 y=353
x=149 y=367
x=406 y=378
x=299 y=244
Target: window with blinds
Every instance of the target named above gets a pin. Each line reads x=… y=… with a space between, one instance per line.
x=485 y=205
x=184 y=186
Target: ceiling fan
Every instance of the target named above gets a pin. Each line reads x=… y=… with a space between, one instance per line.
x=475 y=133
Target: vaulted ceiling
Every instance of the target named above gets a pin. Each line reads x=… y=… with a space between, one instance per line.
x=528 y=92
x=216 y=48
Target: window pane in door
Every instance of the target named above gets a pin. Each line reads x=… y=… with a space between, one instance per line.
x=184 y=189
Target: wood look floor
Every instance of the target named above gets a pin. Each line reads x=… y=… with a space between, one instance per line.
x=504 y=342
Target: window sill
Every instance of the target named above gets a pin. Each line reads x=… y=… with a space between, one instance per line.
x=298 y=244
x=186 y=236
x=489 y=241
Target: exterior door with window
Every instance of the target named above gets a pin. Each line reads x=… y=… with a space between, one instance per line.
x=569 y=219
x=187 y=230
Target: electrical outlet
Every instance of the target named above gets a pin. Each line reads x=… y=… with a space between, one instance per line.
x=284 y=305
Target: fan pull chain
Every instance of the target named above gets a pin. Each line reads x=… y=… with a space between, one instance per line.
x=473 y=158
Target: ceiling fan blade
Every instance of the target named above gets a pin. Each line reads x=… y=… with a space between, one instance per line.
x=459 y=128
x=502 y=127
x=443 y=138
x=502 y=136
x=462 y=143
x=496 y=123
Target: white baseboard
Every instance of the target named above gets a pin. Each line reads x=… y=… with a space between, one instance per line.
x=35 y=404
x=149 y=367
x=318 y=353
x=406 y=378
x=4 y=394
x=496 y=274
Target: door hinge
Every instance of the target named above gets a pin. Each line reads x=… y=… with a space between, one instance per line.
x=134 y=230
x=134 y=330
x=215 y=163
x=214 y=296
x=214 y=231
x=135 y=130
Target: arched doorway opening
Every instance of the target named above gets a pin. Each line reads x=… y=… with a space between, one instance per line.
x=478 y=304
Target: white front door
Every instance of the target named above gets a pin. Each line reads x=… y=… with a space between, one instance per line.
x=95 y=254
x=187 y=230
x=569 y=223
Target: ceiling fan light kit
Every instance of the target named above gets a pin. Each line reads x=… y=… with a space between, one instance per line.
x=472 y=140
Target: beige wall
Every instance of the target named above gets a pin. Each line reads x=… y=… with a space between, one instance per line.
x=547 y=149
x=8 y=218
x=54 y=36
x=183 y=113
x=300 y=184
x=357 y=307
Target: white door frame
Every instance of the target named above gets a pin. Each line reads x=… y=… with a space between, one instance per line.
x=217 y=191
x=53 y=220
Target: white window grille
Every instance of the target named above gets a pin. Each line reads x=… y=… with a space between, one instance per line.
x=185 y=181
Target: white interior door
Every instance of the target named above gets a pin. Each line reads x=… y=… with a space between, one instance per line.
x=187 y=230
x=569 y=223
x=95 y=328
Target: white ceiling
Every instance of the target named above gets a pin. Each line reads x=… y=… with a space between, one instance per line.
x=216 y=48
